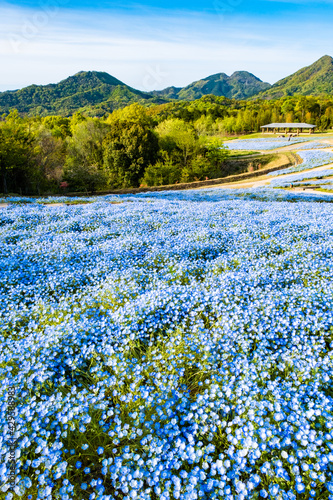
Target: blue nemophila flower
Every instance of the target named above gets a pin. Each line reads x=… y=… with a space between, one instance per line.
x=311 y=159
x=300 y=487
x=186 y=337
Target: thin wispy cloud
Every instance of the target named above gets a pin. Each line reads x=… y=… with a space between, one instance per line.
x=150 y=48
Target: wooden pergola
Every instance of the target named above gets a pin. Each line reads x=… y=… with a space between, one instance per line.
x=288 y=127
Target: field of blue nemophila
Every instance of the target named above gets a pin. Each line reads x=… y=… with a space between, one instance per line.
x=314 y=145
x=302 y=178
x=265 y=144
x=164 y=347
x=310 y=159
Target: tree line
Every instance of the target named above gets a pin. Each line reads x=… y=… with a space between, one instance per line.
x=163 y=144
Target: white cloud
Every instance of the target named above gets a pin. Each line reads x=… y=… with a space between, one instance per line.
x=148 y=51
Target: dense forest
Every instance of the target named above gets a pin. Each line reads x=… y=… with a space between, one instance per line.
x=162 y=144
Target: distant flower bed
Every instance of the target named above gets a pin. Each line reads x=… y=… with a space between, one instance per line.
x=314 y=145
x=263 y=144
x=311 y=159
x=50 y=200
x=309 y=182
x=301 y=177
x=322 y=182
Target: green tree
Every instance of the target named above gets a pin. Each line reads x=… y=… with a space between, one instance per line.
x=49 y=158
x=15 y=153
x=198 y=169
x=176 y=134
x=128 y=149
x=76 y=119
x=163 y=172
x=84 y=169
x=134 y=113
x=85 y=147
x=216 y=152
x=84 y=177
x=59 y=126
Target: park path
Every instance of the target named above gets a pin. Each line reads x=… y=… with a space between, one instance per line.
x=266 y=180
x=262 y=181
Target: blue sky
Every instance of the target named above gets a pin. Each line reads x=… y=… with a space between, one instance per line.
x=154 y=45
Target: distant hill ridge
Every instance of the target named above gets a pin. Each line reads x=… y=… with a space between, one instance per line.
x=98 y=92
x=316 y=79
x=240 y=85
x=84 y=89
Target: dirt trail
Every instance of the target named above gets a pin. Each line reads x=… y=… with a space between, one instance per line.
x=54 y=204
x=265 y=180
x=3 y=205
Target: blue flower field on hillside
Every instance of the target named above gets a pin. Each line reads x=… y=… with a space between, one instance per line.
x=264 y=144
x=314 y=145
x=302 y=177
x=168 y=346
x=311 y=159
x=269 y=143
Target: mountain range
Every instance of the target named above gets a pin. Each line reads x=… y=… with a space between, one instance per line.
x=97 y=92
x=240 y=85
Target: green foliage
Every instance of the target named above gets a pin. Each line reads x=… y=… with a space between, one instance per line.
x=199 y=169
x=178 y=138
x=49 y=154
x=97 y=94
x=204 y=162
x=76 y=119
x=84 y=162
x=84 y=177
x=15 y=144
x=315 y=80
x=162 y=173
x=161 y=144
x=87 y=90
x=135 y=113
x=58 y=125
x=240 y=85
x=86 y=144
x=129 y=148
x=216 y=152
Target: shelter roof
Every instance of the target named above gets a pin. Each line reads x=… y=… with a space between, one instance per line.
x=288 y=125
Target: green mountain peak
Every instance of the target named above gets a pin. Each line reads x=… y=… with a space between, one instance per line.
x=316 y=79
x=98 y=92
x=240 y=85
x=83 y=91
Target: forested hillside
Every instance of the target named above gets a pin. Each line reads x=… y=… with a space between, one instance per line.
x=92 y=92
x=315 y=80
x=97 y=94
x=178 y=141
x=240 y=85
